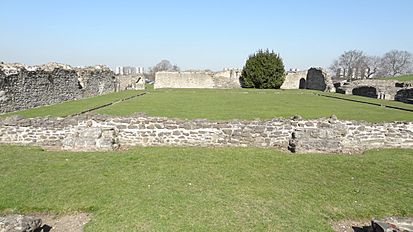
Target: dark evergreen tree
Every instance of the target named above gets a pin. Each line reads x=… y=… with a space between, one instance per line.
x=263 y=70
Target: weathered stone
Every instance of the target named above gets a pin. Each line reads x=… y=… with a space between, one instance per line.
x=198 y=79
x=317 y=79
x=393 y=224
x=24 y=87
x=19 y=223
x=297 y=118
x=176 y=133
x=381 y=89
x=320 y=135
x=314 y=78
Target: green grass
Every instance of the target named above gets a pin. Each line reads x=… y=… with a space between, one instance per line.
x=251 y=104
x=399 y=78
x=372 y=100
x=200 y=189
x=231 y=104
x=75 y=106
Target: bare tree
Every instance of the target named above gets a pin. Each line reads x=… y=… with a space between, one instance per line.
x=372 y=66
x=397 y=62
x=163 y=65
x=175 y=68
x=349 y=61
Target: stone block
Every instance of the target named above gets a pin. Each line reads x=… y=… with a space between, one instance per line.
x=19 y=223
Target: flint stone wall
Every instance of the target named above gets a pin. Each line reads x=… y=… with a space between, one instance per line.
x=100 y=133
x=295 y=80
x=381 y=89
x=23 y=87
x=314 y=78
x=130 y=82
x=198 y=79
x=96 y=80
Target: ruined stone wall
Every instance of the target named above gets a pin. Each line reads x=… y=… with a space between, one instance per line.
x=130 y=82
x=24 y=87
x=314 y=78
x=381 y=89
x=317 y=79
x=201 y=79
x=96 y=80
x=106 y=133
x=295 y=80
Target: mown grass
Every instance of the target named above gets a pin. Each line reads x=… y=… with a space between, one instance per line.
x=399 y=78
x=371 y=100
x=230 y=104
x=408 y=77
x=201 y=189
x=252 y=104
x=75 y=106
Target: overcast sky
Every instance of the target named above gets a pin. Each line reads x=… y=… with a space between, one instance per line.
x=210 y=34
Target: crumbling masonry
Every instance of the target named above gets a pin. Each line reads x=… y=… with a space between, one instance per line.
x=100 y=133
x=24 y=87
x=381 y=89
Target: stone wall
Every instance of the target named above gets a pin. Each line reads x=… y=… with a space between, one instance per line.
x=317 y=79
x=96 y=80
x=130 y=82
x=381 y=89
x=97 y=132
x=24 y=87
x=295 y=80
x=198 y=79
x=314 y=78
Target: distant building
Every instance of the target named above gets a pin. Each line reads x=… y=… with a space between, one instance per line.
x=128 y=70
x=294 y=70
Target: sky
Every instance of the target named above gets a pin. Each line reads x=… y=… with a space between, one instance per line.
x=209 y=34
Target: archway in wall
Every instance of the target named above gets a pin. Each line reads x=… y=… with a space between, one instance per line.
x=365 y=91
x=404 y=95
x=302 y=84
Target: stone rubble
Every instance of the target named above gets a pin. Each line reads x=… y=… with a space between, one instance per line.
x=19 y=223
x=391 y=224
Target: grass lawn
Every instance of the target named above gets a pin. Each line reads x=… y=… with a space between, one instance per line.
x=251 y=104
x=372 y=100
x=399 y=78
x=230 y=104
x=74 y=106
x=201 y=189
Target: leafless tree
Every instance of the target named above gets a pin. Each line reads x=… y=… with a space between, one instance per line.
x=397 y=62
x=372 y=65
x=175 y=68
x=163 y=65
x=348 y=61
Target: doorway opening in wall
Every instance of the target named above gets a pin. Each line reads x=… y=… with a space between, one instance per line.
x=302 y=84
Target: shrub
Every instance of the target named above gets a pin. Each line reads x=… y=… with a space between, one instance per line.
x=263 y=70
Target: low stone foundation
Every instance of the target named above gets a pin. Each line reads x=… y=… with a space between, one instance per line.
x=103 y=133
